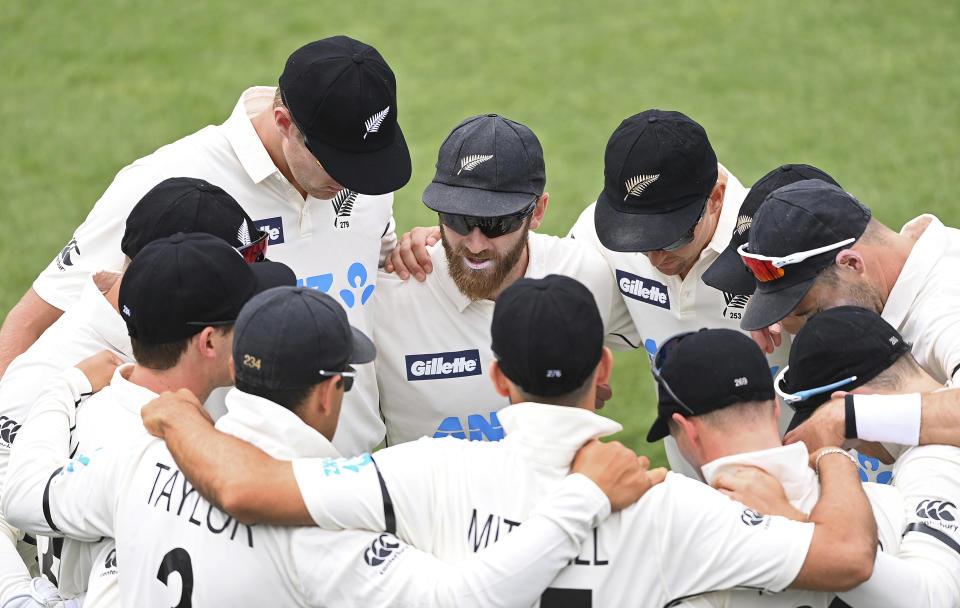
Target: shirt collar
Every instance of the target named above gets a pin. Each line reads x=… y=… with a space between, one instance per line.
x=272 y=428
x=920 y=263
x=96 y=312
x=243 y=137
x=131 y=397
x=733 y=197
x=788 y=463
x=552 y=434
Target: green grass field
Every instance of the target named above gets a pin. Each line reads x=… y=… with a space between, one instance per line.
x=865 y=90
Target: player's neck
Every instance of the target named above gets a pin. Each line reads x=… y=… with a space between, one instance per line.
x=173 y=379
x=890 y=258
x=732 y=442
x=266 y=128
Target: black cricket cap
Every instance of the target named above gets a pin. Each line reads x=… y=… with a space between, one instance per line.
x=709 y=370
x=799 y=217
x=284 y=338
x=178 y=285
x=728 y=273
x=659 y=170
x=834 y=345
x=186 y=204
x=547 y=334
x=487 y=166
x=342 y=96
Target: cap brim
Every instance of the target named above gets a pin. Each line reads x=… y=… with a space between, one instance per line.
x=767 y=307
x=728 y=273
x=658 y=430
x=378 y=172
x=363 y=349
x=619 y=231
x=460 y=200
x=271 y=274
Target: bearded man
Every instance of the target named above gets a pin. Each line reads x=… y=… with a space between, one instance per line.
x=434 y=336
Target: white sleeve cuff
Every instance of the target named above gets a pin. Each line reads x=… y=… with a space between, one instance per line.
x=888 y=418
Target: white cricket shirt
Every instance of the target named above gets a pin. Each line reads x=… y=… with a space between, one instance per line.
x=924 y=304
x=332 y=245
x=163 y=527
x=655 y=306
x=433 y=343
x=681 y=539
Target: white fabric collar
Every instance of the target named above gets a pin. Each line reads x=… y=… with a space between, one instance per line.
x=96 y=312
x=788 y=463
x=131 y=397
x=552 y=434
x=272 y=428
x=920 y=263
x=243 y=137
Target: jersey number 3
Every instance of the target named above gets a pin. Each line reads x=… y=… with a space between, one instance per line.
x=178 y=560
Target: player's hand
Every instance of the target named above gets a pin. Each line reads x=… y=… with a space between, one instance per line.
x=181 y=407
x=825 y=428
x=768 y=338
x=410 y=256
x=99 y=368
x=604 y=393
x=622 y=475
x=758 y=490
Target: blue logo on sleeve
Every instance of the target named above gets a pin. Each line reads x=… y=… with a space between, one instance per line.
x=272 y=226
x=432 y=366
x=645 y=290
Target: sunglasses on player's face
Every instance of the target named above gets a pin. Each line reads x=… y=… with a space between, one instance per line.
x=803 y=395
x=688 y=237
x=663 y=353
x=771 y=268
x=490 y=227
x=348 y=373
x=257 y=250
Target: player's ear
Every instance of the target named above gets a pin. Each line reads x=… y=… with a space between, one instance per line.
x=204 y=343
x=852 y=260
x=281 y=117
x=605 y=367
x=687 y=428
x=539 y=211
x=500 y=382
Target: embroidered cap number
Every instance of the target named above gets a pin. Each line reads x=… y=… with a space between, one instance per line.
x=469 y=163
x=638 y=183
x=373 y=123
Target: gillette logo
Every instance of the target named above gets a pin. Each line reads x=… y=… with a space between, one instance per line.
x=443 y=365
x=645 y=290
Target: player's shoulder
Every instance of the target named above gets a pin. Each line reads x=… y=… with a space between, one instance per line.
x=394 y=290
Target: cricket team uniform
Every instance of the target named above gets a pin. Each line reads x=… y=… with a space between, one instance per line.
x=924 y=304
x=655 y=306
x=433 y=343
x=680 y=540
x=333 y=246
x=163 y=527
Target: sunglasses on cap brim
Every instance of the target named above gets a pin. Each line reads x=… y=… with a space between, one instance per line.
x=257 y=250
x=766 y=268
x=797 y=397
x=348 y=373
x=656 y=366
x=490 y=227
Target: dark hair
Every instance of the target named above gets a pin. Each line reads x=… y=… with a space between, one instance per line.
x=290 y=398
x=161 y=357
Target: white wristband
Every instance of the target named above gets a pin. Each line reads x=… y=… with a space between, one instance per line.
x=888 y=418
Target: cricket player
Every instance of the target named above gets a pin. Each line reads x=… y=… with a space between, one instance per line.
x=179 y=298
x=293 y=354
x=434 y=337
x=314 y=162
x=682 y=539
x=175 y=205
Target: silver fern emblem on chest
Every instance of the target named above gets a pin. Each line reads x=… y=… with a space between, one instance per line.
x=743 y=224
x=342 y=206
x=469 y=163
x=373 y=123
x=638 y=183
x=243 y=234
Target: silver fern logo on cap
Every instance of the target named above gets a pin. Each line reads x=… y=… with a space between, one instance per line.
x=743 y=224
x=638 y=183
x=469 y=163
x=243 y=234
x=373 y=123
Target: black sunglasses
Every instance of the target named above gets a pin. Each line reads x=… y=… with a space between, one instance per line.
x=490 y=227
x=348 y=373
x=669 y=345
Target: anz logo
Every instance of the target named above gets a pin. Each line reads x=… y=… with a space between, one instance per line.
x=478 y=427
x=358 y=291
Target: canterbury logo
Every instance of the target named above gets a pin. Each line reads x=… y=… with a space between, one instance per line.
x=343 y=204
x=373 y=123
x=743 y=224
x=379 y=550
x=752 y=518
x=936 y=509
x=637 y=184
x=469 y=163
x=243 y=234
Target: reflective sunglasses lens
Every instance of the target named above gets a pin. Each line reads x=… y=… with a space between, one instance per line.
x=764 y=270
x=457 y=223
x=257 y=250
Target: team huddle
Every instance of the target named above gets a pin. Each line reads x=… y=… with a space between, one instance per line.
x=235 y=386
